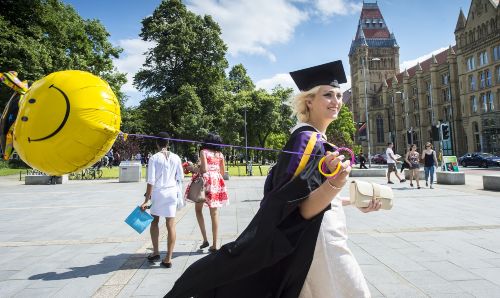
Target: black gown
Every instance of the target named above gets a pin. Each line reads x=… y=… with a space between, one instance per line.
x=272 y=256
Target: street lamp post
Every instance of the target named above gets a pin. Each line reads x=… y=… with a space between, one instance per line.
x=365 y=68
x=248 y=169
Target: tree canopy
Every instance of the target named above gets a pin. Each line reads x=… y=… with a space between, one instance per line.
x=38 y=37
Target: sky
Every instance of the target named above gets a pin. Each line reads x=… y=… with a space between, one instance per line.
x=273 y=37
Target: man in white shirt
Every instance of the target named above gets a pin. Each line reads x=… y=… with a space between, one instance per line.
x=391 y=164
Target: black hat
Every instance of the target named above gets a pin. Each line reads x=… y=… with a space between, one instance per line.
x=331 y=73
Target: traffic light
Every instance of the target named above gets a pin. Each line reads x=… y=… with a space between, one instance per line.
x=445 y=128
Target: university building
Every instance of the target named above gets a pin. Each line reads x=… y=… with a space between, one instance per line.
x=457 y=88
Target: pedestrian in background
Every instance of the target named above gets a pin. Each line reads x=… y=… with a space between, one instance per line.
x=164 y=189
x=412 y=158
x=212 y=165
x=362 y=161
x=391 y=164
x=430 y=161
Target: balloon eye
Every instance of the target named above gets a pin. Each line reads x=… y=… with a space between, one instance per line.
x=24 y=118
x=32 y=100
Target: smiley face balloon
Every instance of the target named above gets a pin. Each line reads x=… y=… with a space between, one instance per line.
x=67 y=121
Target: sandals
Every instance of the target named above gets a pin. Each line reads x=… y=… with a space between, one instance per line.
x=212 y=249
x=165 y=264
x=204 y=244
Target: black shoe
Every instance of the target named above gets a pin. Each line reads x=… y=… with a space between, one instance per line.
x=411 y=184
x=212 y=249
x=402 y=180
x=390 y=182
x=153 y=258
x=426 y=184
x=204 y=244
x=418 y=187
x=166 y=265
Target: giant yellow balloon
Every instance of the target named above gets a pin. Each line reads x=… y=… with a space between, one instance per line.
x=67 y=121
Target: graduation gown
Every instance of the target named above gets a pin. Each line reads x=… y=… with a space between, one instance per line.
x=272 y=255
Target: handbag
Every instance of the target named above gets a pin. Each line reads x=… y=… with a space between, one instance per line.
x=139 y=220
x=361 y=193
x=197 y=190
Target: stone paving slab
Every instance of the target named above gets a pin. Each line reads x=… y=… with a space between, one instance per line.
x=70 y=240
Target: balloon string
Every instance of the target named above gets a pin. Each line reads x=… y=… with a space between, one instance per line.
x=126 y=135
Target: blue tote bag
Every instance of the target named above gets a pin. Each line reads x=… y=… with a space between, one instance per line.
x=139 y=220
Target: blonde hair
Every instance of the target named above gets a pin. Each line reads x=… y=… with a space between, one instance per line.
x=299 y=106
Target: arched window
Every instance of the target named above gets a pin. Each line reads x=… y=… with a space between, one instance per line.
x=380 y=129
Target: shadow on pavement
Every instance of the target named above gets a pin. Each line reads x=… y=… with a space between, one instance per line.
x=108 y=264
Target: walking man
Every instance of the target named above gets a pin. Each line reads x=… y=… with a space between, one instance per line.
x=391 y=164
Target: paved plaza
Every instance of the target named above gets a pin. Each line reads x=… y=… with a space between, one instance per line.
x=70 y=240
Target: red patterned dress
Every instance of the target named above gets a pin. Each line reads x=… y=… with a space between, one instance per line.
x=215 y=188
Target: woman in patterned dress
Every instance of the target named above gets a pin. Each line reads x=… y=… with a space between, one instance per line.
x=212 y=168
x=412 y=158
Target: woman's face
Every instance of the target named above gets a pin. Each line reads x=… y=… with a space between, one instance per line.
x=326 y=103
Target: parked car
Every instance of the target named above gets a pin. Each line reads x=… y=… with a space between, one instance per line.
x=479 y=159
x=379 y=158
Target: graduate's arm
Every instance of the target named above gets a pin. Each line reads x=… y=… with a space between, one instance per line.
x=322 y=196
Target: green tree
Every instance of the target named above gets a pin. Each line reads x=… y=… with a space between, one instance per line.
x=341 y=131
x=189 y=50
x=239 y=80
x=38 y=37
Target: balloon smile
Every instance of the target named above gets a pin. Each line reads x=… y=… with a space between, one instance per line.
x=66 y=115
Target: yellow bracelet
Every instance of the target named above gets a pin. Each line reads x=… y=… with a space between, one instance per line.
x=320 y=165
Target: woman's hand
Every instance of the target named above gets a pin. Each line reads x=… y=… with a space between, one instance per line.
x=374 y=205
x=144 y=206
x=332 y=161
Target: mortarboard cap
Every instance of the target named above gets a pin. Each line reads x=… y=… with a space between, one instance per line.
x=331 y=73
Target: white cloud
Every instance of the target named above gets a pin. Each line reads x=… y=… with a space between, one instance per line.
x=250 y=27
x=131 y=59
x=410 y=63
x=328 y=8
x=283 y=79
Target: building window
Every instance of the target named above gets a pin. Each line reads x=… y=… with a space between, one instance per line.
x=483 y=58
x=472 y=83
x=429 y=115
x=445 y=79
x=496 y=53
x=487 y=74
x=491 y=101
x=473 y=104
x=482 y=80
x=497 y=71
x=415 y=90
x=484 y=106
x=445 y=94
x=380 y=129
x=470 y=63
x=429 y=103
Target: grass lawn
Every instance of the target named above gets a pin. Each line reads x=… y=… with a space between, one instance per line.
x=113 y=173
x=7 y=171
x=233 y=171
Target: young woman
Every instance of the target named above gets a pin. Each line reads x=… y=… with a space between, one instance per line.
x=164 y=189
x=271 y=258
x=212 y=169
x=430 y=161
x=412 y=158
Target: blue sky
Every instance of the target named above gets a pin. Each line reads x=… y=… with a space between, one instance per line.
x=273 y=37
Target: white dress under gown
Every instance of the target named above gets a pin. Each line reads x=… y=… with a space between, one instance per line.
x=334 y=271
